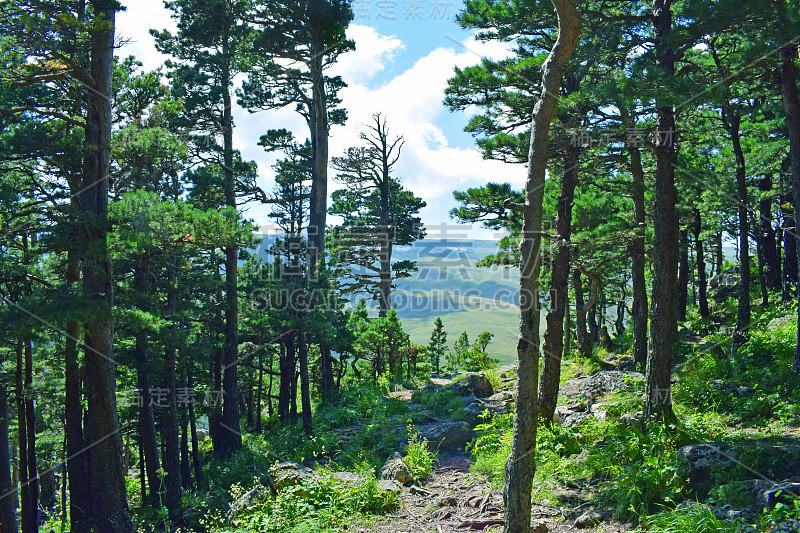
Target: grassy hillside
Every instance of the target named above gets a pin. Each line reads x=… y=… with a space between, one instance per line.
x=468 y=298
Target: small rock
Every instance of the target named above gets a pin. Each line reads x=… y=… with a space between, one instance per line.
x=631 y=419
x=419 y=491
x=599 y=411
x=539 y=527
x=348 y=478
x=564 y=416
x=389 y=485
x=588 y=519
x=396 y=469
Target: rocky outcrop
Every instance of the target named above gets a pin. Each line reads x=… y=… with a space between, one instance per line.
x=395 y=469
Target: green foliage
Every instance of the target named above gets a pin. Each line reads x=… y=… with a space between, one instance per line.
x=323 y=504
x=782 y=512
x=419 y=458
x=471 y=357
x=438 y=345
x=492 y=446
x=697 y=519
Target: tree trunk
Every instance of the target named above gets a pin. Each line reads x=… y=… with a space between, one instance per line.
x=170 y=440
x=520 y=466
x=740 y=334
x=287 y=378
x=582 y=336
x=638 y=260
x=198 y=472
x=791 y=104
x=186 y=470
x=108 y=509
x=559 y=288
x=683 y=276
x=27 y=507
x=147 y=425
x=318 y=208
x=328 y=383
x=790 y=258
x=663 y=329
x=77 y=474
x=702 y=284
x=305 y=382
x=8 y=519
x=230 y=437
x=771 y=259
x=260 y=390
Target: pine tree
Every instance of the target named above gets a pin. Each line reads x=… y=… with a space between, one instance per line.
x=437 y=349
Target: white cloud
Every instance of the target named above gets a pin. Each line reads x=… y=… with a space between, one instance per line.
x=412 y=103
x=372 y=53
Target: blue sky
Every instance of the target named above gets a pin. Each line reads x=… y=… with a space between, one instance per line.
x=405 y=52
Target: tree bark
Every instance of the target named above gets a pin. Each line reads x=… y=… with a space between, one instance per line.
x=636 y=248
x=77 y=473
x=740 y=334
x=683 y=276
x=520 y=466
x=8 y=519
x=230 y=438
x=559 y=288
x=198 y=471
x=108 y=509
x=663 y=329
x=170 y=440
x=771 y=259
x=328 y=383
x=305 y=382
x=27 y=508
x=186 y=470
x=318 y=208
x=147 y=425
x=791 y=104
x=702 y=284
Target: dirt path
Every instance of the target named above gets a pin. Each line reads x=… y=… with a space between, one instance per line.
x=453 y=500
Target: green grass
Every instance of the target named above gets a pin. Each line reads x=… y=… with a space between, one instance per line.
x=692 y=520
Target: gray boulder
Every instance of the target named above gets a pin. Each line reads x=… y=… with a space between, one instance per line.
x=569 y=417
x=446 y=435
x=288 y=474
x=588 y=519
x=479 y=385
x=699 y=461
x=253 y=496
x=389 y=485
x=606 y=382
x=395 y=469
